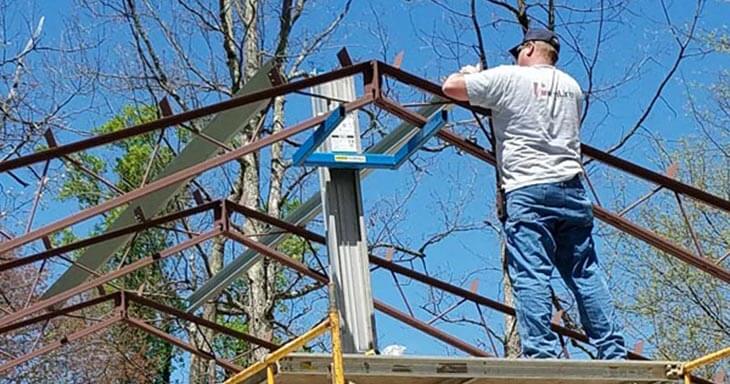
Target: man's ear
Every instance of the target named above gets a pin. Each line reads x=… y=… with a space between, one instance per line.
x=530 y=49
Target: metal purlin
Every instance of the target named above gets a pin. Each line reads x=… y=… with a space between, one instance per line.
x=387 y=104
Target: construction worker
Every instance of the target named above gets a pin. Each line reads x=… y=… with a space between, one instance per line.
x=536 y=112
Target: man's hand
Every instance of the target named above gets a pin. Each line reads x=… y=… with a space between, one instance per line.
x=455 y=86
x=469 y=69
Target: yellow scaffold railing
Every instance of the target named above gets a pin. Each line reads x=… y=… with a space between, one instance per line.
x=332 y=323
x=690 y=366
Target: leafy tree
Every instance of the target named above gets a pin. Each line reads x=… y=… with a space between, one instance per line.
x=138 y=160
x=685 y=311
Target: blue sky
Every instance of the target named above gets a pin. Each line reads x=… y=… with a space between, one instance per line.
x=640 y=47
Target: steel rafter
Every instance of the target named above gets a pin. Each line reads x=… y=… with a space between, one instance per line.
x=120 y=314
x=372 y=72
x=17 y=262
x=142 y=325
x=395 y=268
x=86 y=331
x=103 y=279
x=182 y=117
x=172 y=179
x=379 y=305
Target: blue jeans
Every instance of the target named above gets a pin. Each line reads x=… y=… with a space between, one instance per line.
x=549 y=227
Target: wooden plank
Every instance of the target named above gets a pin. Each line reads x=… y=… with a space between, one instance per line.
x=301 y=368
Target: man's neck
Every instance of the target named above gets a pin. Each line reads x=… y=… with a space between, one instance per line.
x=538 y=63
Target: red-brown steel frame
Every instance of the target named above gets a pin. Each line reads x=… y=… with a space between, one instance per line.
x=373 y=72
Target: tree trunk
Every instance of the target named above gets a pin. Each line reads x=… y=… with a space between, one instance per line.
x=203 y=370
x=511 y=338
x=246 y=190
x=259 y=299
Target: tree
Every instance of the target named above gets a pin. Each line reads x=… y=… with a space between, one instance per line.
x=687 y=309
x=470 y=32
x=33 y=99
x=141 y=159
x=238 y=36
x=194 y=53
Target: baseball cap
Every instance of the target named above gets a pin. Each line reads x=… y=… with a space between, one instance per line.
x=537 y=34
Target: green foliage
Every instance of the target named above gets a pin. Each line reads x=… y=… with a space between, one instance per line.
x=294 y=246
x=81 y=186
x=126 y=163
x=679 y=309
x=231 y=346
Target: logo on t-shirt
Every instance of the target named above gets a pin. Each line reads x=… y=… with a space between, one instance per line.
x=541 y=89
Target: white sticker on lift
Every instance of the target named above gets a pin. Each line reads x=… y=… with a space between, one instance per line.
x=350 y=158
x=343 y=138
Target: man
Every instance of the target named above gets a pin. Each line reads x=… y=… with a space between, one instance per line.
x=536 y=115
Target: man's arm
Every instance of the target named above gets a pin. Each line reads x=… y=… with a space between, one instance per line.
x=455 y=87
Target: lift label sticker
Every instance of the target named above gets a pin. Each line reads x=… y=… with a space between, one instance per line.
x=350 y=158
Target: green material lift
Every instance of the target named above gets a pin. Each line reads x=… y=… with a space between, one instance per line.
x=222 y=128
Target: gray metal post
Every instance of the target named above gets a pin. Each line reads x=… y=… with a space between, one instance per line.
x=345 y=226
x=301 y=216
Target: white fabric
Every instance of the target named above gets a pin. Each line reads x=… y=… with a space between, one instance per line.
x=536 y=116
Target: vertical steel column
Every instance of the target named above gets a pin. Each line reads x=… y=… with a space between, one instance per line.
x=345 y=226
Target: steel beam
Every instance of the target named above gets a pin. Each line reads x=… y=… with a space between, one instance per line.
x=657 y=178
x=170 y=180
x=658 y=242
x=65 y=340
x=200 y=321
x=276 y=255
x=182 y=117
x=59 y=312
x=431 y=330
x=132 y=297
x=120 y=314
x=62 y=297
x=271 y=220
x=108 y=235
x=140 y=324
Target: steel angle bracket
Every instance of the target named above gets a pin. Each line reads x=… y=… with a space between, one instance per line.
x=320 y=135
x=306 y=156
x=351 y=160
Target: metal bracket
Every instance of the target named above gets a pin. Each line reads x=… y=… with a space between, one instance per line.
x=353 y=160
x=674 y=371
x=344 y=57
x=139 y=214
x=320 y=135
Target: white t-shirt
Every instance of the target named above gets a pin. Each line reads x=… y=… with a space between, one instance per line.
x=536 y=116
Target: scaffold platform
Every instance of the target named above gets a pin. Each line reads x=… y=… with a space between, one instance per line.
x=309 y=368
